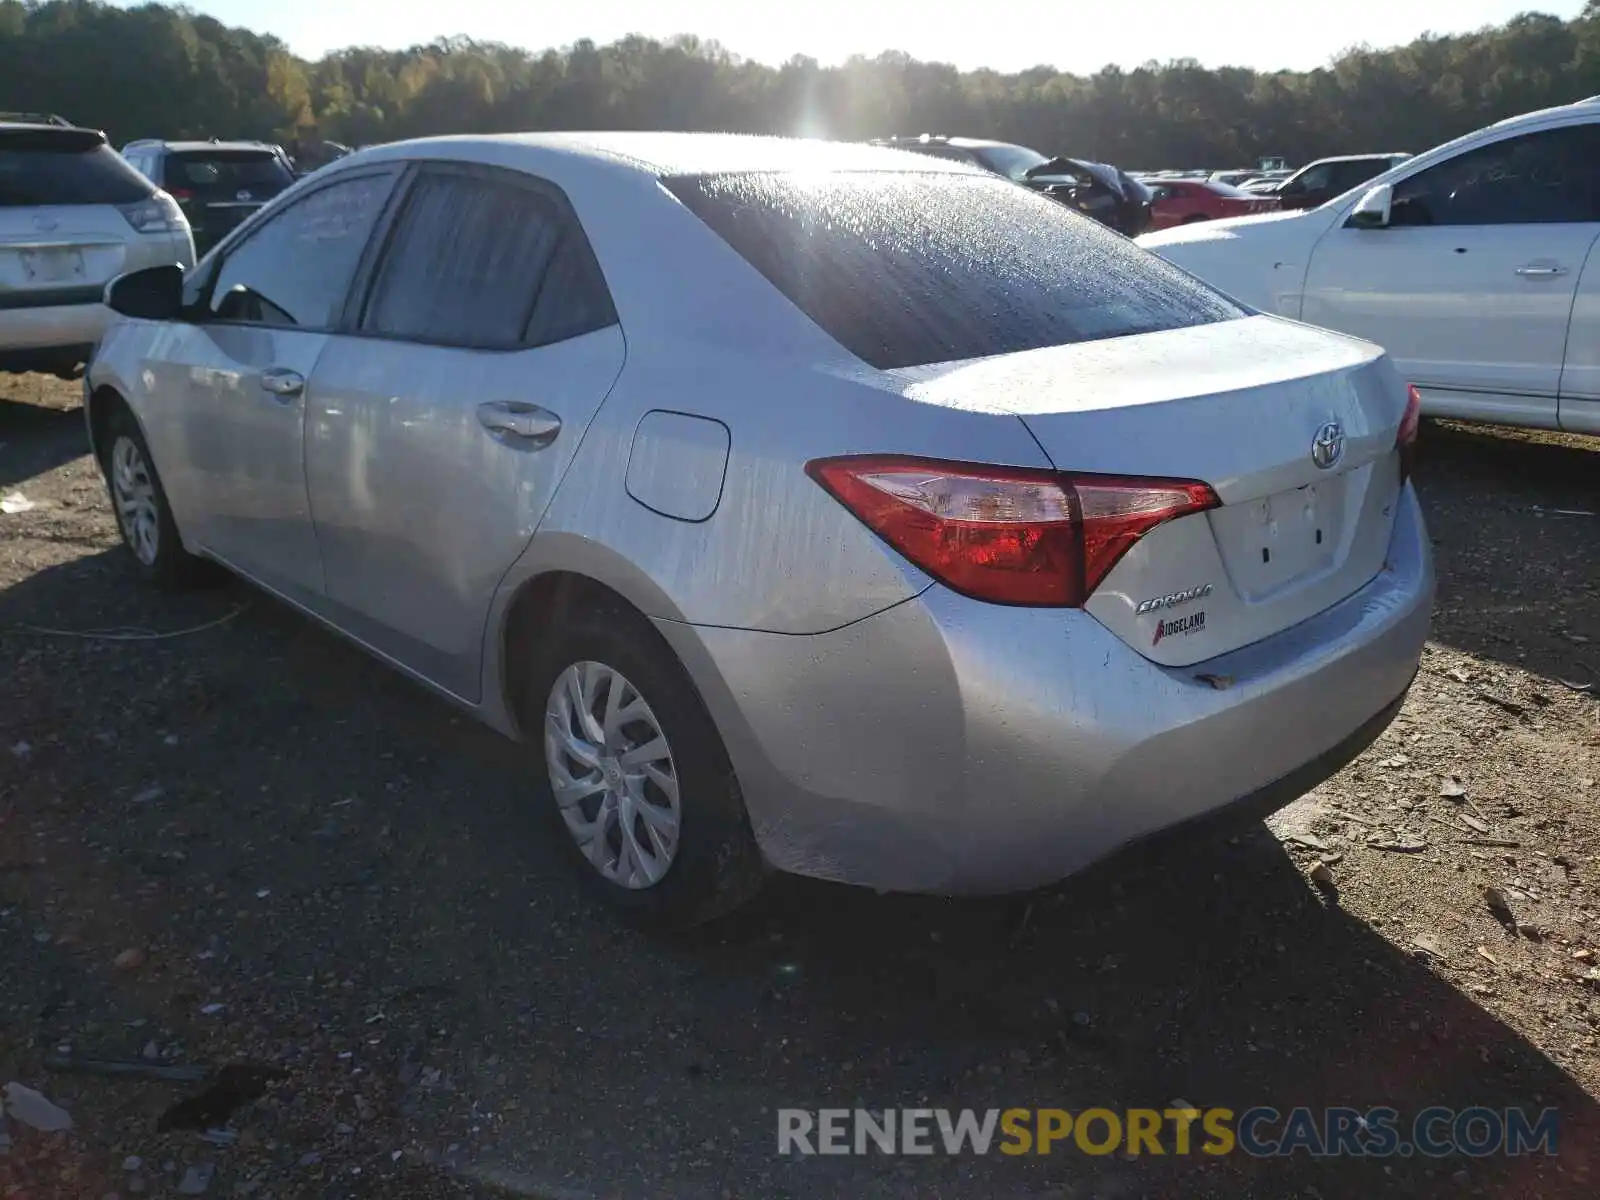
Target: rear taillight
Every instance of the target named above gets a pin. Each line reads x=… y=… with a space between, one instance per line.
x=1406 y=440
x=1008 y=535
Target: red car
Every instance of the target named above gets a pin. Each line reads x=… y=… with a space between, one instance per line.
x=1180 y=201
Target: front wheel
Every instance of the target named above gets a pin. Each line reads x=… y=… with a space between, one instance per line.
x=640 y=786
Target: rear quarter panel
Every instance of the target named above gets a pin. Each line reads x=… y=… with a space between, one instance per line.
x=778 y=554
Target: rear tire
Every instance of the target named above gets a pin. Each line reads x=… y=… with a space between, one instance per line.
x=636 y=780
x=144 y=518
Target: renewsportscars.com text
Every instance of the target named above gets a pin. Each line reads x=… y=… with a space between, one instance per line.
x=1261 y=1132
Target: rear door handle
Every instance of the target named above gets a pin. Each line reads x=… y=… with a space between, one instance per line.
x=1541 y=271
x=526 y=424
x=282 y=382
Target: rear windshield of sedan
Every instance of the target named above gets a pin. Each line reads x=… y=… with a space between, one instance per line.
x=46 y=167
x=904 y=269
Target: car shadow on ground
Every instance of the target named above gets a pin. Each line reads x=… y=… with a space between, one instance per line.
x=1479 y=487
x=395 y=842
x=35 y=439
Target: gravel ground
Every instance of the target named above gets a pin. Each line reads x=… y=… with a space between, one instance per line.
x=250 y=845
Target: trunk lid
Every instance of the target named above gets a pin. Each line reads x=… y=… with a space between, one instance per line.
x=1246 y=406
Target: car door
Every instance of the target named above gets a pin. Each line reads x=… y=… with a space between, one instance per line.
x=441 y=426
x=1471 y=283
x=227 y=391
x=1580 y=377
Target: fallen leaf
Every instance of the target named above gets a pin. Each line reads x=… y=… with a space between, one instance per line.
x=1395 y=763
x=16 y=502
x=1428 y=943
x=1484 y=953
x=1451 y=787
x=1473 y=823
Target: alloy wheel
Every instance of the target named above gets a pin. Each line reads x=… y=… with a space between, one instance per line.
x=612 y=774
x=134 y=492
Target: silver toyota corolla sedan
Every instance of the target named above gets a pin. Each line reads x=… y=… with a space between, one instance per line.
x=804 y=507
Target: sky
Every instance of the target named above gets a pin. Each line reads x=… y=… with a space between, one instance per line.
x=1080 y=36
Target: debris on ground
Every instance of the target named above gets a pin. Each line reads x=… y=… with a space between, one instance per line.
x=32 y=1109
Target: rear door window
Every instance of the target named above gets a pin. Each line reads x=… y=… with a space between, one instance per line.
x=904 y=269
x=213 y=175
x=66 y=166
x=481 y=260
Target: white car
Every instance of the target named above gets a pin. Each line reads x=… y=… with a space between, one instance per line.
x=1473 y=264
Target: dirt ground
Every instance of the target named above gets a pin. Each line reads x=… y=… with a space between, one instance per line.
x=241 y=842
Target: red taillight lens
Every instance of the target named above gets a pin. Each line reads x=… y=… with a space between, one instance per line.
x=1008 y=535
x=1406 y=440
x=181 y=194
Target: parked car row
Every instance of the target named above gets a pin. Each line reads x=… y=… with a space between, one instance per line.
x=1099 y=190
x=890 y=423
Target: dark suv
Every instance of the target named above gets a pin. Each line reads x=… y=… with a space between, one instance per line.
x=217 y=184
x=1317 y=183
x=1099 y=190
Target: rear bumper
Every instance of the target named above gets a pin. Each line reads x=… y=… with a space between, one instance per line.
x=52 y=327
x=950 y=746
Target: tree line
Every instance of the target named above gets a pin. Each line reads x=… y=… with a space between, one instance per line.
x=159 y=71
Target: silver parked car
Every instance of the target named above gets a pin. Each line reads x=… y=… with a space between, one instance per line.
x=812 y=507
x=73 y=216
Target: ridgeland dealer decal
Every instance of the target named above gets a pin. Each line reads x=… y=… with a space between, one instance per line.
x=1193 y=623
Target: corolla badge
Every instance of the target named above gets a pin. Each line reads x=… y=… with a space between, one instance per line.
x=1173 y=599
x=1327 y=448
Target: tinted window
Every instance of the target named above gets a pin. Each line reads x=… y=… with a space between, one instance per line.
x=1312 y=179
x=223 y=174
x=909 y=269
x=296 y=268
x=49 y=168
x=471 y=258
x=1539 y=178
x=1354 y=174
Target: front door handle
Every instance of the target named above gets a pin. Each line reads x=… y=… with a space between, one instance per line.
x=527 y=424
x=1541 y=272
x=282 y=382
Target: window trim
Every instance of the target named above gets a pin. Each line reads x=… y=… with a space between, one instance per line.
x=241 y=236
x=364 y=285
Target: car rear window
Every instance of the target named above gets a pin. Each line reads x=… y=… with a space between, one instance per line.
x=70 y=167
x=904 y=269
x=209 y=174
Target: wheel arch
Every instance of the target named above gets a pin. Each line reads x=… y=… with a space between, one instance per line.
x=99 y=404
x=559 y=572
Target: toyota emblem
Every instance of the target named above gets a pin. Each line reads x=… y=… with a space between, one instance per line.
x=1327 y=448
x=243 y=195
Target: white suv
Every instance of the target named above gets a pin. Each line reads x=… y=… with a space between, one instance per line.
x=1474 y=265
x=73 y=216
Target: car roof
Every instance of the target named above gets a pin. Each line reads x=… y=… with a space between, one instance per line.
x=1334 y=158
x=188 y=147
x=668 y=154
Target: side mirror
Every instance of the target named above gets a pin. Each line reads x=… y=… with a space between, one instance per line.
x=1372 y=210
x=153 y=294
